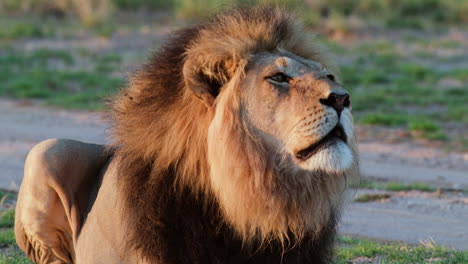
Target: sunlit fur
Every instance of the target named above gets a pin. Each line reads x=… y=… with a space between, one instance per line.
x=339 y=158
x=266 y=196
x=161 y=127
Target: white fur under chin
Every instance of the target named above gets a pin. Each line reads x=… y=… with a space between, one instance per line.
x=334 y=159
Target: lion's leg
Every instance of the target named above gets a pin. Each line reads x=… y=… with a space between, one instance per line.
x=54 y=197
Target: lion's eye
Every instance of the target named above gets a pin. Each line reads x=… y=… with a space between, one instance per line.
x=279 y=78
x=331 y=77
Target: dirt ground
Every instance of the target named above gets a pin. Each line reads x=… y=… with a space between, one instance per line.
x=411 y=216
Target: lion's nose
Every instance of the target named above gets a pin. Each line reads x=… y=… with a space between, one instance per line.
x=337 y=101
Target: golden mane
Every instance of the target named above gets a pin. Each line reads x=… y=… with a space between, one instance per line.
x=157 y=118
x=161 y=132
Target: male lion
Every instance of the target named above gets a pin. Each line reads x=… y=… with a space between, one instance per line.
x=234 y=144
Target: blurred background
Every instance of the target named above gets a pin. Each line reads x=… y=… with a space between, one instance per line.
x=396 y=56
x=405 y=63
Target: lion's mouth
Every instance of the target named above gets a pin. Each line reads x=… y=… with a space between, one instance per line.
x=336 y=134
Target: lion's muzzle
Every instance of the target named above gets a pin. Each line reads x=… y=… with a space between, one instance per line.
x=331 y=138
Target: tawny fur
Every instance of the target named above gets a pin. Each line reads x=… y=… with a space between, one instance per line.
x=165 y=136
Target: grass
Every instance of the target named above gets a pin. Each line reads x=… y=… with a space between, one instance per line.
x=420 y=125
x=385 y=119
x=354 y=249
x=10 y=195
x=385 y=87
x=7 y=238
x=372 y=197
x=459 y=73
x=23 y=30
x=395 y=186
x=395 y=13
x=7 y=218
x=59 y=77
x=10 y=253
x=34 y=26
x=389 y=186
x=14 y=256
x=389 y=89
x=398 y=13
x=338 y=15
x=426 y=129
x=349 y=249
x=7 y=200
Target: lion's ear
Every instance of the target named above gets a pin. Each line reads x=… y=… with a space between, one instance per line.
x=205 y=87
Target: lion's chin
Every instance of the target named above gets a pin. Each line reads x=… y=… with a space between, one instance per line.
x=335 y=158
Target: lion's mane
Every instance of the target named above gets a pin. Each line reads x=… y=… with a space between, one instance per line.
x=161 y=134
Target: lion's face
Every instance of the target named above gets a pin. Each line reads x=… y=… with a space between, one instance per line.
x=281 y=146
x=299 y=110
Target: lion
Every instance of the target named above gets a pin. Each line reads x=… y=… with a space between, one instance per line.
x=234 y=143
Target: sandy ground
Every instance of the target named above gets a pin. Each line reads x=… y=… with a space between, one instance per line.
x=411 y=217
x=24 y=126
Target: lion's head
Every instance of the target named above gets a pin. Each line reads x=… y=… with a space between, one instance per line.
x=246 y=110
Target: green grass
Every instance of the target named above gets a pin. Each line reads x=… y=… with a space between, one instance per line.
x=398 y=13
x=7 y=238
x=384 y=119
x=348 y=249
x=7 y=200
x=395 y=13
x=7 y=218
x=23 y=30
x=11 y=254
x=424 y=126
x=426 y=129
x=11 y=195
x=388 y=86
x=372 y=197
x=56 y=77
x=459 y=73
x=389 y=89
x=35 y=26
x=396 y=253
x=420 y=125
x=14 y=256
x=395 y=186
